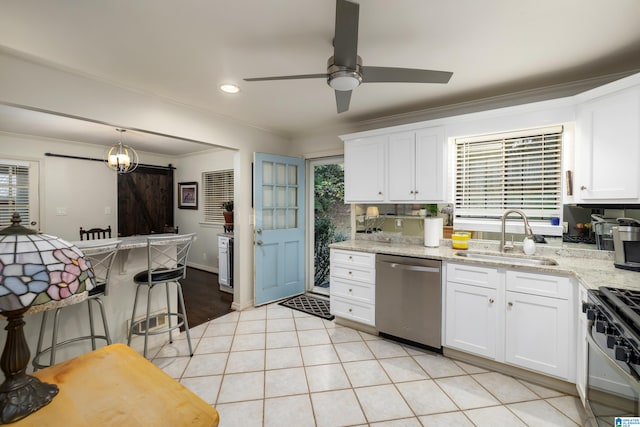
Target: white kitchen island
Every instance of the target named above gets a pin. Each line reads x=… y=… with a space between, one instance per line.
x=118 y=303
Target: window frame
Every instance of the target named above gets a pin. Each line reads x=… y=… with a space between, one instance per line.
x=471 y=215
x=213 y=197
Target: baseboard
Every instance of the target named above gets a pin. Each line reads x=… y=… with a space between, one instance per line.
x=203 y=267
x=523 y=374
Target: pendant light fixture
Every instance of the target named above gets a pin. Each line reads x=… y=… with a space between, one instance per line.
x=122 y=158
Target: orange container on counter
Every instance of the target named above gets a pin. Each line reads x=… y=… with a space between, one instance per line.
x=460 y=240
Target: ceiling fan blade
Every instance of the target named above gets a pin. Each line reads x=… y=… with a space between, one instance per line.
x=299 y=76
x=343 y=97
x=345 y=40
x=406 y=75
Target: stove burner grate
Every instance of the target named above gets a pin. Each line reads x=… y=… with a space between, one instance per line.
x=626 y=303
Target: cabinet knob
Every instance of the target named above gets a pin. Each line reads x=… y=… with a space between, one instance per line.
x=350 y=290
x=411 y=192
x=510 y=304
x=350 y=257
x=491 y=301
x=583 y=187
x=379 y=193
x=350 y=273
x=416 y=191
x=350 y=310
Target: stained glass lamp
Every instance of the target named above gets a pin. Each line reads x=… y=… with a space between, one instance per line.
x=36 y=270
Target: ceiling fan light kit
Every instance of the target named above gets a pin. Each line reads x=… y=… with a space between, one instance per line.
x=229 y=88
x=344 y=69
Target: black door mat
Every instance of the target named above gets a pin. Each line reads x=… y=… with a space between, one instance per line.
x=311 y=305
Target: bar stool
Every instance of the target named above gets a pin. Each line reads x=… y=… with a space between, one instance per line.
x=101 y=257
x=167 y=263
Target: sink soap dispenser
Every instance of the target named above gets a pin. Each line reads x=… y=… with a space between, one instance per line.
x=529 y=246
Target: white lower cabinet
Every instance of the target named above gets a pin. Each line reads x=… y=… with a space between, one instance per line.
x=471 y=319
x=537 y=333
x=520 y=318
x=352 y=290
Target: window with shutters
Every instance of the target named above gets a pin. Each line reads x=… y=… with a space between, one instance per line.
x=217 y=188
x=519 y=170
x=14 y=191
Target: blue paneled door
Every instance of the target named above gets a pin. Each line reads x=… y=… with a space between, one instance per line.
x=278 y=185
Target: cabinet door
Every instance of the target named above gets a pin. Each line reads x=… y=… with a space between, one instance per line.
x=537 y=333
x=471 y=319
x=430 y=165
x=364 y=173
x=608 y=147
x=402 y=167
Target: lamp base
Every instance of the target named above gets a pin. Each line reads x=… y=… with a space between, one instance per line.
x=22 y=396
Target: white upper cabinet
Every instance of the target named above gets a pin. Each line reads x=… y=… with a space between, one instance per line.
x=608 y=148
x=416 y=166
x=396 y=168
x=364 y=169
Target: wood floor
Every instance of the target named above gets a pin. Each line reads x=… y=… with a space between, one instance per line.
x=203 y=299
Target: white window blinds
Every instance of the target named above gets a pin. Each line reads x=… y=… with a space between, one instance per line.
x=217 y=187
x=14 y=191
x=512 y=171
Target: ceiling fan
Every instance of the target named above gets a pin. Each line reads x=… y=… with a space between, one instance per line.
x=345 y=71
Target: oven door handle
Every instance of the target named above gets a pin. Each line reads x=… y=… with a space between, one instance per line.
x=633 y=382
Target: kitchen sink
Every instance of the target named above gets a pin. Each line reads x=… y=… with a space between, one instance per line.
x=507 y=258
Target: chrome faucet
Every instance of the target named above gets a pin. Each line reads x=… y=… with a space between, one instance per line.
x=527 y=229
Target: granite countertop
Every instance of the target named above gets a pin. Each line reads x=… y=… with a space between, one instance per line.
x=592 y=268
x=130 y=242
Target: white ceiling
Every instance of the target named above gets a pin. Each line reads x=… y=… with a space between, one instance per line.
x=183 y=50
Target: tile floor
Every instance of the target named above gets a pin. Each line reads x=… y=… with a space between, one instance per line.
x=272 y=366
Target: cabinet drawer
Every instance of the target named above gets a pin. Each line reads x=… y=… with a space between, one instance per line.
x=539 y=284
x=487 y=277
x=357 y=259
x=363 y=292
x=363 y=275
x=356 y=311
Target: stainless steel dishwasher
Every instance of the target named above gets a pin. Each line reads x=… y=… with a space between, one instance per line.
x=409 y=299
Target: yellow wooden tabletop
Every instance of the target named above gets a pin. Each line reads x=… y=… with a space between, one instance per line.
x=115 y=386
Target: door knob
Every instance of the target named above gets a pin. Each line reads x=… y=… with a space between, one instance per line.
x=259 y=242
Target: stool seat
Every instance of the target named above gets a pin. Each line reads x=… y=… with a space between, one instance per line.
x=167 y=264
x=159 y=276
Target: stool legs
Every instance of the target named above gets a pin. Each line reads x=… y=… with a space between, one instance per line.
x=181 y=317
x=54 y=334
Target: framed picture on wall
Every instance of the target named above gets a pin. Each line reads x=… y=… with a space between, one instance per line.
x=188 y=195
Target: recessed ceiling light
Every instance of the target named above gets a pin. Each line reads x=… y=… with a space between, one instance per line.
x=229 y=88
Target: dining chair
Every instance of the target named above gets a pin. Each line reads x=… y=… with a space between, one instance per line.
x=101 y=257
x=170 y=229
x=167 y=263
x=95 y=233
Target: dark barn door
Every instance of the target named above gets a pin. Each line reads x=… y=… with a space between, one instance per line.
x=145 y=201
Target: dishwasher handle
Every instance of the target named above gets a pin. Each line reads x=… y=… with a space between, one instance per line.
x=413 y=267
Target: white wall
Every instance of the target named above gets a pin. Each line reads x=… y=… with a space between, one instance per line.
x=204 y=251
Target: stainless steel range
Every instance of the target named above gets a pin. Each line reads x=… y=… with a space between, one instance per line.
x=613 y=369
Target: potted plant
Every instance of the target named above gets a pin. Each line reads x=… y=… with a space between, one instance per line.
x=228 y=212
